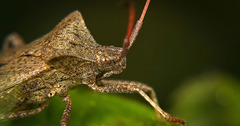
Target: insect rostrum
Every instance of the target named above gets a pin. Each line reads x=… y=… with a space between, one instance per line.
x=64 y=58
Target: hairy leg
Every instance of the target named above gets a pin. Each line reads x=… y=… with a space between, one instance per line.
x=25 y=113
x=67 y=111
x=121 y=86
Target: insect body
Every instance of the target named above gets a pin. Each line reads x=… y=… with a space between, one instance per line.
x=64 y=58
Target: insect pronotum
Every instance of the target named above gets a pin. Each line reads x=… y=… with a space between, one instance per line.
x=64 y=58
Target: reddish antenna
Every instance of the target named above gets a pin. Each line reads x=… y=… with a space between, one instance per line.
x=128 y=42
x=132 y=32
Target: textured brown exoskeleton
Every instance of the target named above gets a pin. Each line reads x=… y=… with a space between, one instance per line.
x=66 y=57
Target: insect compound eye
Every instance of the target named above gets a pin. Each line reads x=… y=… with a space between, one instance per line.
x=102 y=57
x=105 y=59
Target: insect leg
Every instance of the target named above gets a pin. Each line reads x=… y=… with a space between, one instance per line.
x=120 y=86
x=25 y=113
x=13 y=41
x=67 y=111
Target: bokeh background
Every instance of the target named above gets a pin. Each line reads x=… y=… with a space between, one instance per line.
x=188 y=51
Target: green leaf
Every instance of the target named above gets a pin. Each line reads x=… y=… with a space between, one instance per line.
x=209 y=100
x=93 y=109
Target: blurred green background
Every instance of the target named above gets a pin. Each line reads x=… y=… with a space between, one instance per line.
x=188 y=51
